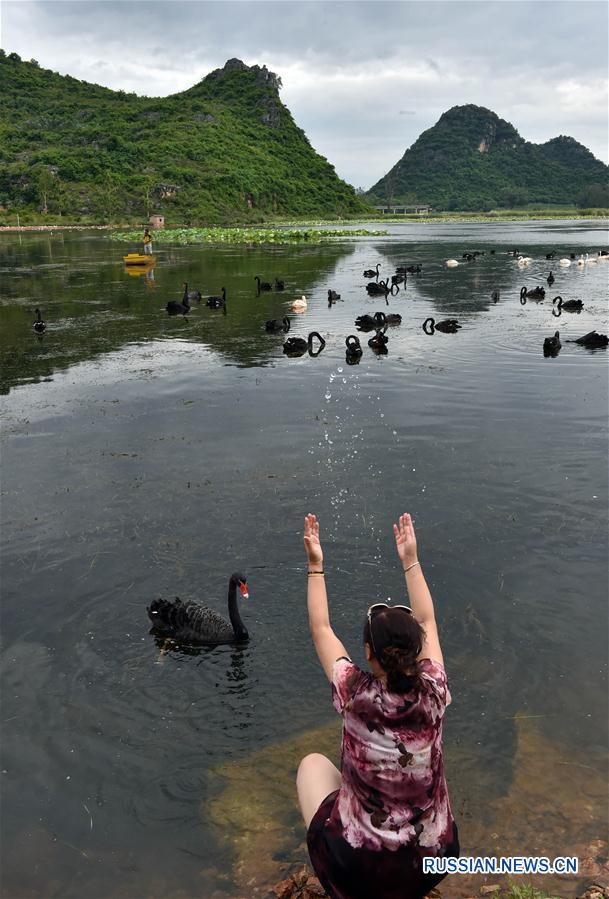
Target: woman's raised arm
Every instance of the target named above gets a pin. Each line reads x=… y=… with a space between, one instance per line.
x=327 y=645
x=418 y=591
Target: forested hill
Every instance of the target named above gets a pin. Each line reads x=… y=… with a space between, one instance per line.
x=472 y=159
x=226 y=149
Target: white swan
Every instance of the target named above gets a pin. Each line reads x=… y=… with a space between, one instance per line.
x=565 y=262
x=523 y=261
x=451 y=263
x=300 y=305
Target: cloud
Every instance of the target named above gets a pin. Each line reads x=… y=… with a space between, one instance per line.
x=363 y=79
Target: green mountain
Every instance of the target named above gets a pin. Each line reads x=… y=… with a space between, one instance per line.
x=472 y=159
x=226 y=149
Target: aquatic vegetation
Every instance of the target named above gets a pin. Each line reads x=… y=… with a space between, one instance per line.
x=247 y=235
x=523 y=891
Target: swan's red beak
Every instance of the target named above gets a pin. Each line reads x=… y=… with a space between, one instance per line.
x=243 y=588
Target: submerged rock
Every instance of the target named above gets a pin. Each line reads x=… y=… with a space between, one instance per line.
x=555 y=805
x=302 y=885
x=596 y=891
x=257 y=813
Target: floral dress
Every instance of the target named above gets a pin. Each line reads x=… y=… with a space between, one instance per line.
x=368 y=839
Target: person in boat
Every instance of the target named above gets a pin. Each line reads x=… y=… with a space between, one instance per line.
x=147 y=242
x=371 y=824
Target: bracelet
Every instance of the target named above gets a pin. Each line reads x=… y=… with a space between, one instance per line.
x=313 y=573
x=411 y=566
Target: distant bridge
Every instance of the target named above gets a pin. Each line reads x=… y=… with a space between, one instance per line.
x=401 y=209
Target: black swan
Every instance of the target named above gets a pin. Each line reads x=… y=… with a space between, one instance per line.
x=297 y=346
x=192 y=295
x=567 y=306
x=379 y=342
x=279 y=285
x=381 y=288
x=354 y=348
x=371 y=273
x=398 y=279
x=39 y=325
x=333 y=296
x=550 y=279
x=551 y=345
x=190 y=622
x=173 y=307
x=278 y=324
x=216 y=302
x=262 y=285
x=370 y=322
x=550 y=255
x=448 y=326
x=392 y=318
x=495 y=296
x=537 y=293
x=592 y=339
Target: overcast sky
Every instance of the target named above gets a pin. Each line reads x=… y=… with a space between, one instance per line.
x=363 y=79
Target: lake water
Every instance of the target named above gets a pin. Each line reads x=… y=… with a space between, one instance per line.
x=147 y=456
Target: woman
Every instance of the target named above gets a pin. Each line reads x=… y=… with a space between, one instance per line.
x=370 y=825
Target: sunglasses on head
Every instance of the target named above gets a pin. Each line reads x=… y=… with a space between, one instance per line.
x=381 y=605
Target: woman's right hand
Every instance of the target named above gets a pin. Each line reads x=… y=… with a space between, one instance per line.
x=405 y=540
x=315 y=555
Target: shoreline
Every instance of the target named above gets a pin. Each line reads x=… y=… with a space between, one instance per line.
x=431 y=219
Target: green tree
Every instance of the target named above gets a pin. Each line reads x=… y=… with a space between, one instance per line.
x=44 y=183
x=594 y=195
x=514 y=197
x=110 y=194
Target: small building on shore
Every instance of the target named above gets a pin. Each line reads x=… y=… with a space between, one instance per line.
x=157 y=221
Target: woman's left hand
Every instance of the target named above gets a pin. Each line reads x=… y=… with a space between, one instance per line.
x=313 y=548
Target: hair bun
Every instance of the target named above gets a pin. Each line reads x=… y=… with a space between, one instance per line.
x=397 y=659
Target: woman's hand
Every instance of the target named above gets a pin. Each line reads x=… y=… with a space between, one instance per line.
x=405 y=540
x=313 y=549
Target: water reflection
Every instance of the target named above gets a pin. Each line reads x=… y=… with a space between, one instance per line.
x=90 y=311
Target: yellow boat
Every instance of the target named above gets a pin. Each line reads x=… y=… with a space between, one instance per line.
x=138 y=259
